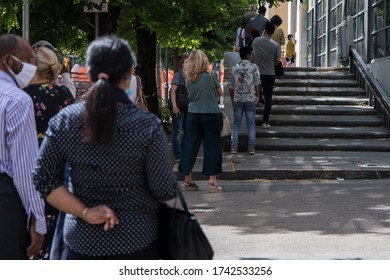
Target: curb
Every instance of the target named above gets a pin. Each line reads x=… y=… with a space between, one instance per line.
x=244 y=175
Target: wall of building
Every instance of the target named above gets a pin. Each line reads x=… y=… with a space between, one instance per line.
x=380 y=68
x=282 y=11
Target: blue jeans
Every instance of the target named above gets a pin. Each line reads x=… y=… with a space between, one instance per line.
x=250 y=113
x=178 y=124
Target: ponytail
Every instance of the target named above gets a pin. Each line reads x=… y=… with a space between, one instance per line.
x=101 y=111
x=109 y=60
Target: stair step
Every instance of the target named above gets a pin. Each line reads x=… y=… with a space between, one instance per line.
x=315 y=100
x=316 y=83
x=323 y=144
x=320 y=120
x=319 y=110
x=317 y=75
x=321 y=132
x=317 y=69
x=295 y=165
x=321 y=91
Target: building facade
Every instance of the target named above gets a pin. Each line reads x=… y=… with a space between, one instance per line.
x=325 y=28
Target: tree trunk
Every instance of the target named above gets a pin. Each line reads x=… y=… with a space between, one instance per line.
x=176 y=59
x=108 y=22
x=159 y=71
x=146 y=61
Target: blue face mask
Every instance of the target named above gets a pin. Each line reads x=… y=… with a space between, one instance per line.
x=131 y=93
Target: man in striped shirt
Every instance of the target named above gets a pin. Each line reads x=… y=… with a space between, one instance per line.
x=22 y=217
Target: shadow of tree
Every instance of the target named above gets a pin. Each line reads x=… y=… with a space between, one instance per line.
x=354 y=207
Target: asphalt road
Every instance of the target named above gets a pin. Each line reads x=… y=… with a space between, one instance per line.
x=299 y=220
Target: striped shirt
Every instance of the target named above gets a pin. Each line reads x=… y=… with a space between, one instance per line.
x=19 y=147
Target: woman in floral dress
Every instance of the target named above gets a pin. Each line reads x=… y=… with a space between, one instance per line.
x=48 y=98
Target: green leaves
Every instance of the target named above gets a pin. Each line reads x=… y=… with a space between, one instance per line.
x=8 y=16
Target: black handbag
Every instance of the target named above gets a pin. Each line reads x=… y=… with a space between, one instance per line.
x=180 y=235
x=181 y=96
x=279 y=71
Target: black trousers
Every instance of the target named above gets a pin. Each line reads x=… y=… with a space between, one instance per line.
x=14 y=236
x=267 y=81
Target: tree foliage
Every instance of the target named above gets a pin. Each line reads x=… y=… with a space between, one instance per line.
x=181 y=25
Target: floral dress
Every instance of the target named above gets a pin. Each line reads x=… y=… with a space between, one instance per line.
x=48 y=99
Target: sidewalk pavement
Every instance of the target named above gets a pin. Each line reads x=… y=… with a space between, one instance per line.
x=298 y=165
x=301 y=220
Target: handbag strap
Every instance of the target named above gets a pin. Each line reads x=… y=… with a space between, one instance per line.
x=182 y=199
x=182 y=77
x=215 y=89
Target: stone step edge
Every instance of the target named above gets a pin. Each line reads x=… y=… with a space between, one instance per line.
x=295 y=174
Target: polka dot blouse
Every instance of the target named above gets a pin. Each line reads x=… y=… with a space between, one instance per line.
x=132 y=174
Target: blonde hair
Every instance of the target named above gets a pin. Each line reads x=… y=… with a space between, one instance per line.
x=48 y=66
x=196 y=63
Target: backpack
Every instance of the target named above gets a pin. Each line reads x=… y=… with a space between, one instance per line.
x=181 y=95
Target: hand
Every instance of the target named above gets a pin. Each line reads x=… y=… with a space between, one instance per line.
x=36 y=242
x=176 y=111
x=257 y=100
x=101 y=214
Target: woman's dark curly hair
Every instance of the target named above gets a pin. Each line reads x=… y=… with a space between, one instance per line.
x=277 y=20
x=108 y=58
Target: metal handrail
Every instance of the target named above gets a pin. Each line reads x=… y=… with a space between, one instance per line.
x=376 y=95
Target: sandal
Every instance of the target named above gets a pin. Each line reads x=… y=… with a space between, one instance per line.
x=214 y=187
x=189 y=186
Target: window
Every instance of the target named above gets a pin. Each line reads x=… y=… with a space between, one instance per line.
x=381 y=29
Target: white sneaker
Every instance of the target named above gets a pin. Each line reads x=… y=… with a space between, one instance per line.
x=265 y=126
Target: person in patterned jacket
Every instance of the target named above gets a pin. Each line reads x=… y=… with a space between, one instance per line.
x=244 y=89
x=119 y=162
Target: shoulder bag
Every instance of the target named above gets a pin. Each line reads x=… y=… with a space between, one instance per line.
x=279 y=71
x=226 y=127
x=180 y=235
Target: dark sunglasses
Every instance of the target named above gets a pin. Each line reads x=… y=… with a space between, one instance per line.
x=50 y=47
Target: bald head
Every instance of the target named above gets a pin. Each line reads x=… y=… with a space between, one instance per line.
x=8 y=44
x=11 y=44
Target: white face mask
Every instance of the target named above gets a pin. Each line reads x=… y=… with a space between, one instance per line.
x=24 y=77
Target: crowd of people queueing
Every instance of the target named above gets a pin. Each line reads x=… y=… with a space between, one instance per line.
x=102 y=162
x=259 y=42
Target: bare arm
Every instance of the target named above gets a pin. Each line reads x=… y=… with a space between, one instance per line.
x=231 y=92
x=258 y=94
x=65 y=201
x=219 y=91
x=175 y=110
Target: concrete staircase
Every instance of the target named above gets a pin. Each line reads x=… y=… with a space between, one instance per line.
x=319 y=111
x=322 y=128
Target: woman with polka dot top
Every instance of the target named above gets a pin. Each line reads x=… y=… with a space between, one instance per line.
x=120 y=165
